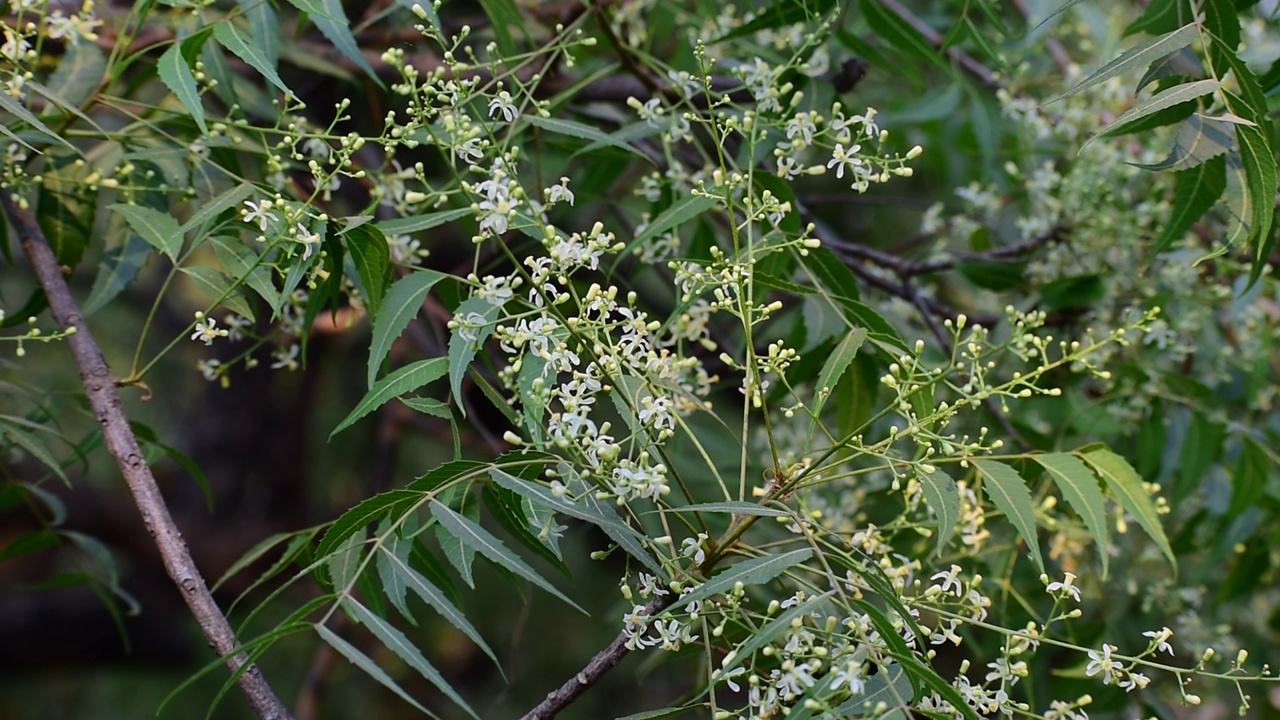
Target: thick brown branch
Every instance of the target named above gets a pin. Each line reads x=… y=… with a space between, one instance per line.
x=100 y=388
x=604 y=661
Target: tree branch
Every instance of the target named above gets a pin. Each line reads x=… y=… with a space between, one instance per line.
x=100 y=388
x=604 y=661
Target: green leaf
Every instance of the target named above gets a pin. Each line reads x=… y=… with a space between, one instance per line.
x=264 y=28
x=396 y=642
x=66 y=207
x=733 y=507
x=503 y=16
x=1009 y=492
x=1179 y=63
x=335 y=26
x=780 y=14
x=581 y=131
x=404 y=226
x=512 y=512
x=830 y=273
x=1124 y=482
x=1138 y=56
x=1195 y=192
x=1079 y=485
x=837 y=362
x=899 y=33
x=680 y=212
x=118 y=268
x=483 y=542
x=32 y=444
x=755 y=571
x=176 y=74
x=79 y=74
x=256 y=553
x=370 y=668
x=891 y=686
x=1259 y=164
x=585 y=508
x=943 y=498
x=1249 y=481
x=243 y=265
x=1197 y=139
x=463 y=350
x=242 y=45
x=372 y=258
x=428 y=406
x=8 y=104
x=219 y=289
x=399 y=307
x=397 y=566
x=346 y=563
x=159 y=229
x=1162 y=100
x=401 y=381
x=770 y=630
x=215 y=206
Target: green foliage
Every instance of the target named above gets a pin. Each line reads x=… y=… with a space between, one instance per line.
x=793 y=383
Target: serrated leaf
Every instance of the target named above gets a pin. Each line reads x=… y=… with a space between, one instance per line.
x=241 y=44
x=403 y=226
x=79 y=74
x=263 y=27
x=243 y=265
x=8 y=104
x=771 y=630
x=830 y=273
x=407 y=578
x=1259 y=162
x=159 y=229
x=401 y=381
x=255 y=553
x=1124 y=483
x=335 y=26
x=219 y=289
x=833 y=369
x=1195 y=191
x=1009 y=492
x=503 y=16
x=462 y=350
x=1079 y=486
x=1138 y=56
x=428 y=406
x=401 y=304
x=943 y=498
x=118 y=268
x=176 y=74
x=370 y=668
x=680 y=212
x=1167 y=98
x=582 y=132
x=396 y=642
x=1179 y=63
x=1197 y=139
x=512 y=512
x=482 y=541
x=586 y=508
x=372 y=257
x=755 y=571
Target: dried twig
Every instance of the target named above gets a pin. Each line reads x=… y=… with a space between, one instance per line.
x=100 y=388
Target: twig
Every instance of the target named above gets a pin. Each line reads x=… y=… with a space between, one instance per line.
x=959 y=57
x=1056 y=51
x=100 y=387
x=603 y=662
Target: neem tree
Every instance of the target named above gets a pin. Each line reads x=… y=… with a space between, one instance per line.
x=992 y=440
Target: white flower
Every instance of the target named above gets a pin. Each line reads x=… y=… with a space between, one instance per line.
x=1102 y=663
x=206 y=330
x=840 y=159
x=258 y=212
x=317 y=148
x=560 y=193
x=505 y=105
x=1160 y=638
x=950 y=579
x=286 y=359
x=209 y=368
x=308 y=239
x=1134 y=681
x=1066 y=587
